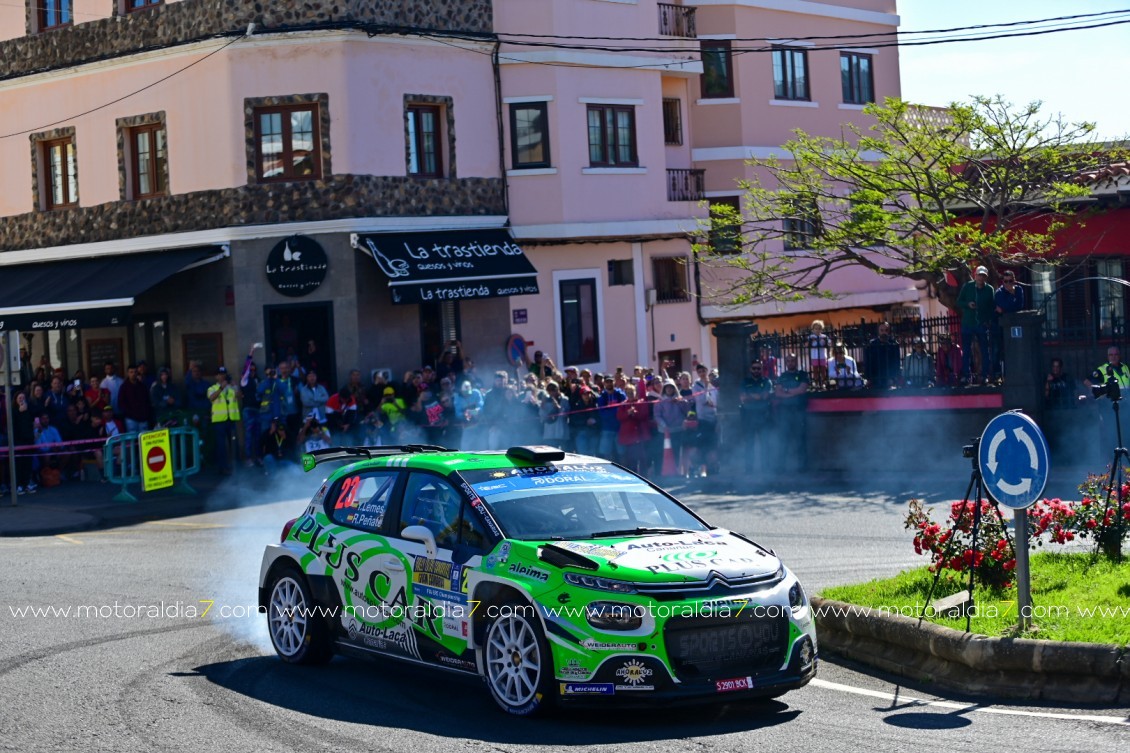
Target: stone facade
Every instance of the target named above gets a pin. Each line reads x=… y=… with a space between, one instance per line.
x=341 y=197
x=192 y=20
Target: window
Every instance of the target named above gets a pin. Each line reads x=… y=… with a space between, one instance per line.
x=288 y=143
x=132 y=5
x=855 y=78
x=790 y=73
x=725 y=225
x=431 y=502
x=62 y=178
x=670 y=275
x=1112 y=305
x=529 y=135
x=580 y=340
x=148 y=161
x=424 y=151
x=1043 y=286
x=672 y=122
x=54 y=13
x=804 y=224
x=621 y=272
x=717 y=69
x=362 y=500
x=612 y=136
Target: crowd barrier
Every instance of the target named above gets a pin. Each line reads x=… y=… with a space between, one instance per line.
x=121 y=460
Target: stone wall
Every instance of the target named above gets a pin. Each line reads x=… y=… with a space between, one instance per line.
x=178 y=23
x=341 y=197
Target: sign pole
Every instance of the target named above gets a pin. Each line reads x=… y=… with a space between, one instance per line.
x=1023 y=577
x=5 y=348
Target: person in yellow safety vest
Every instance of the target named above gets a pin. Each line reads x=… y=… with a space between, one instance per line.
x=1100 y=384
x=225 y=417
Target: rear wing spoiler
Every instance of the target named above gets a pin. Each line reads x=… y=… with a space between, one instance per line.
x=314 y=458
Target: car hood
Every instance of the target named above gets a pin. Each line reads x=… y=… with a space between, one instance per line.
x=682 y=557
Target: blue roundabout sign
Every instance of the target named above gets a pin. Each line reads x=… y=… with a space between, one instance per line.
x=1014 y=460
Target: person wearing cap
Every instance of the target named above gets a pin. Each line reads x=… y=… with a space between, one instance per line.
x=393 y=409
x=313 y=435
x=277 y=444
x=977 y=306
x=164 y=398
x=918 y=366
x=1008 y=299
x=225 y=417
x=542 y=366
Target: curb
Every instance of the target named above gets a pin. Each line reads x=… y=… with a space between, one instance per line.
x=977 y=665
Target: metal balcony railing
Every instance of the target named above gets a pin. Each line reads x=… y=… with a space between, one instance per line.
x=686 y=185
x=676 y=21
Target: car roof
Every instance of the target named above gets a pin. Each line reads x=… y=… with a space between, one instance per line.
x=445 y=461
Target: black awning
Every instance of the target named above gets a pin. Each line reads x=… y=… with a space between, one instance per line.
x=87 y=292
x=451 y=266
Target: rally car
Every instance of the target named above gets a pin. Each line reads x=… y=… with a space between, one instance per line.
x=554 y=577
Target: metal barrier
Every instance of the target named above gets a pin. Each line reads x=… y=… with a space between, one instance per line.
x=121 y=460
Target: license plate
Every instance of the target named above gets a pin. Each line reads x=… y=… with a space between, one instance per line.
x=734 y=683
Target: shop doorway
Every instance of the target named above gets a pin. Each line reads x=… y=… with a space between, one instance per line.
x=291 y=328
x=439 y=325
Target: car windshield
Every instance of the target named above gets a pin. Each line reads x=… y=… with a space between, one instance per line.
x=582 y=501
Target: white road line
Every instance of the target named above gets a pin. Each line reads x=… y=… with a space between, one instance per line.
x=902 y=699
x=67 y=538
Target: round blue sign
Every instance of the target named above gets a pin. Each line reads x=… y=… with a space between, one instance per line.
x=516 y=350
x=1014 y=460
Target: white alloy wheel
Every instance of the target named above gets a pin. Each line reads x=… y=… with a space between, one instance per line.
x=287 y=617
x=517 y=662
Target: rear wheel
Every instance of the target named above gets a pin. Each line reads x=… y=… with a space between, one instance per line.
x=519 y=669
x=299 y=637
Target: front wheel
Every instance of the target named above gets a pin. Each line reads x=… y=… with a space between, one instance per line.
x=519 y=669
x=298 y=635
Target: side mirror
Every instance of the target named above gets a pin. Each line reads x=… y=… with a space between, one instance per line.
x=424 y=536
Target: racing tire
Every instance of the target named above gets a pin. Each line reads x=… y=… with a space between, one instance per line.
x=517 y=661
x=298 y=636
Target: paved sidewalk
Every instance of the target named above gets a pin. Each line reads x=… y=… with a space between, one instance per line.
x=80 y=506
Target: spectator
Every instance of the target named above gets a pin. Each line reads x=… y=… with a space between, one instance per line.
x=1111 y=371
x=1008 y=299
x=146 y=377
x=23 y=433
x=542 y=366
x=269 y=396
x=791 y=406
x=818 y=346
x=842 y=369
x=755 y=406
x=394 y=411
x=196 y=396
x=634 y=414
x=1059 y=387
x=314 y=435
x=358 y=394
x=586 y=430
x=884 y=367
x=287 y=386
x=492 y=418
x=48 y=438
x=55 y=401
x=683 y=382
x=468 y=405
x=947 y=363
x=277 y=445
x=164 y=398
x=95 y=396
x=977 y=306
x=768 y=362
x=918 y=368
x=112 y=382
x=342 y=417
x=133 y=401
x=450 y=363
x=705 y=443
x=312 y=359
x=554 y=415
x=249 y=407
x=225 y=416
x=607 y=401
x=313 y=397
x=670 y=413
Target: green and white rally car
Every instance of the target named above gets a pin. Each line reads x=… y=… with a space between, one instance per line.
x=555 y=577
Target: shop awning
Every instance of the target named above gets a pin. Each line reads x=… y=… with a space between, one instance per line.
x=450 y=266
x=87 y=292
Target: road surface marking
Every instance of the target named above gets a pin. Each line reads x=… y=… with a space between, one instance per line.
x=65 y=537
x=1117 y=720
x=183 y=525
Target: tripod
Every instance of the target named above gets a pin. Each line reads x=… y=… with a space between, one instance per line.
x=1116 y=473
x=977 y=486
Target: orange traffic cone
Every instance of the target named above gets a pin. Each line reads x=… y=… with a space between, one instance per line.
x=669 y=468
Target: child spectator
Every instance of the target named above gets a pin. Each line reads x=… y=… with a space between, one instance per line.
x=818 y=345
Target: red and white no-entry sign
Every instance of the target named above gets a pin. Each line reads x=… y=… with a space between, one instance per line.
x=156 y=459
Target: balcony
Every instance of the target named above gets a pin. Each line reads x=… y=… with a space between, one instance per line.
x=676 y=21
x=686 y=185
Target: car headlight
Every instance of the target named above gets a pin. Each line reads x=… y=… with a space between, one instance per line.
x=600 y=584
x=614 y=615
x=797 y=598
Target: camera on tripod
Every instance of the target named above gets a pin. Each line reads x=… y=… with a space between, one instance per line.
x=970 y=450
x=1110 y=389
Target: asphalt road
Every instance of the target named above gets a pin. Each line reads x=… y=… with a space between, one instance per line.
x=181 y=682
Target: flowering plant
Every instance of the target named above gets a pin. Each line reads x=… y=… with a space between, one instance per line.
x=1095 y=517
x=993 y=559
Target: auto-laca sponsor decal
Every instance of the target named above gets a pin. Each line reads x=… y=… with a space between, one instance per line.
x=693 y=555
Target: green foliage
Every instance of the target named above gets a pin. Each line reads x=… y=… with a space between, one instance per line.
x=918 y=193
x=1075 y=597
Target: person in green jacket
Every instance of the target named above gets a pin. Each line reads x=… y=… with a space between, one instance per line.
x=975 y=301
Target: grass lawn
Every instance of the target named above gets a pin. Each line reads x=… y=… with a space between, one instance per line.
x=1074 y=598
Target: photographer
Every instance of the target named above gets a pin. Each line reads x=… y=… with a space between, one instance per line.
x=225 y=417
x=1109 y=380
x=313 y=435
